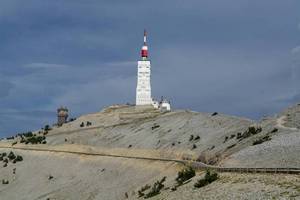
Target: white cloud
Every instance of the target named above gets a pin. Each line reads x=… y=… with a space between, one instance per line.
x=45 y=65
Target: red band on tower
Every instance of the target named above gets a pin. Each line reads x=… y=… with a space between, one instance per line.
x=144 y=51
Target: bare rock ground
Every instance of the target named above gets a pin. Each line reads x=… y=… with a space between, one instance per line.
x=143 y=131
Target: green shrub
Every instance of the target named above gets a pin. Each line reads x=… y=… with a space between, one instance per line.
x=11 y=156
x=214 y=114
x=155 y=126
x=156 y=188
x=191 y=137
x=184 y=175
x=231 y=146
x=35 y=140
x=225 y=140
x=19 y=158
x=262 y=140
x=47 y=128
x=5 y=182
x=28 y=134
x=209 y=177
x=197 y=137
x=274 y=130
x=142 y=190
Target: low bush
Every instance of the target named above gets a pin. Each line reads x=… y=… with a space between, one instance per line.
x=250 y=131
x=274 y=130
x=262 y=140
x=47 y=128
x=194 y=146
x=184 y=175
x=11 y=156
x=155 y=126
x=214 y=114
x=191 y=137
x=209 y=177
x=142 y=190
x=156 y=188
x=5 y=182
x=82 y=124
x=35 y=139
x=231 y=146
x=88 y=123
x=19 y=158
x=225 y=140
x=197 y=137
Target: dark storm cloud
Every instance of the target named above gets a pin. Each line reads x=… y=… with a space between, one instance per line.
x=238 y=56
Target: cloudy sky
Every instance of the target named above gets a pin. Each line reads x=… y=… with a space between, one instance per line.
x=239 y=57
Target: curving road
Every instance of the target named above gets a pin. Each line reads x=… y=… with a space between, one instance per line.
x=196 y=165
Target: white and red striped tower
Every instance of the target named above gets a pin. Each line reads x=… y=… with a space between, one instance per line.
x=143 y=89
x=144 y=51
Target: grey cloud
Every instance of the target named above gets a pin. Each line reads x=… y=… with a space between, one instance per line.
x=229 y=56
x=5 y=88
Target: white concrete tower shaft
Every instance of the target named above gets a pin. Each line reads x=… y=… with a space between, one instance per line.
x=143 y=89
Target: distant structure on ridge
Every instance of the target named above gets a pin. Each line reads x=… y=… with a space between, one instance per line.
x=62 y=115
x=143 y=89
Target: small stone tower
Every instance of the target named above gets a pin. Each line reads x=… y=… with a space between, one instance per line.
x=62 y=115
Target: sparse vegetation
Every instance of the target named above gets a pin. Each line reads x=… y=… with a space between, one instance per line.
x=262 y=140
x=209 y=177
x=10 y=157
x=82 y=124
x=250 y=131
x=214 y=114
x=142 y=190
x=197 y=137
x=35 y=140
x=47 y=128
x=184 y=175
x=88 y=123
x=155 y=126
x=191 y=137
x=5 y=181
x=225 y=140
x=194 y=146
x=156 y=188
x=274 y=130
x=10 y=138
x=231 y=146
